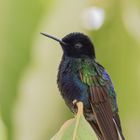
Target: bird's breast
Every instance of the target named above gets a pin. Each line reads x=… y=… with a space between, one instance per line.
x=70 y=85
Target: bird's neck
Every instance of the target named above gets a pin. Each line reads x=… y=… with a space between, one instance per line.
x=75 y=63
x=83 y=58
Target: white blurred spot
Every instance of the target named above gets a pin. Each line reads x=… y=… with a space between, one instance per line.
x=93 y=18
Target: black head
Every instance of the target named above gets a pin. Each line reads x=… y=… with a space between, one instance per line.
x=76 y=45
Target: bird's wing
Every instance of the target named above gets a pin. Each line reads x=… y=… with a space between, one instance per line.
x=102 y=97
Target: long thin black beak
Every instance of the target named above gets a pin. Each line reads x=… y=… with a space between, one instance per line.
x=54 y=38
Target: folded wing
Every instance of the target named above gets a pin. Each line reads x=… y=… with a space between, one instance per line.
x=102 y=100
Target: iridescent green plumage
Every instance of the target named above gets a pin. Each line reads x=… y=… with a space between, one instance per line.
x=94 y=74
x=85 y=80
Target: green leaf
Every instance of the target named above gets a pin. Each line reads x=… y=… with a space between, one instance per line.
x=84 y=131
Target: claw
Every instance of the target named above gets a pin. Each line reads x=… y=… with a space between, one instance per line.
x=74 y=101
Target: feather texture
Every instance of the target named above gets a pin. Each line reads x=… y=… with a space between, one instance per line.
x=87 y=81
x=102 y=98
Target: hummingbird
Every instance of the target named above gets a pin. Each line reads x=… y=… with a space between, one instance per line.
x=82 y=79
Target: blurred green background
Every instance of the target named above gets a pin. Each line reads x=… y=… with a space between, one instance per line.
x=31 y=107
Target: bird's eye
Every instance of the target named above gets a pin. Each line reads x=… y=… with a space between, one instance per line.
x=78 y=45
